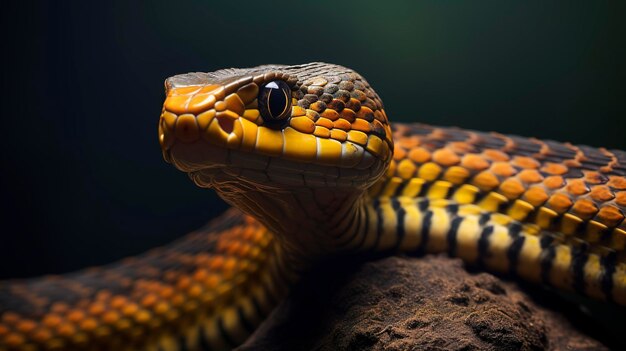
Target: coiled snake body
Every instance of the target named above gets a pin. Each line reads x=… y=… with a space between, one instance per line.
x=307 y=157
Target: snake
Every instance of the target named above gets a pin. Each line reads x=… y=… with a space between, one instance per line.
x=313 y=169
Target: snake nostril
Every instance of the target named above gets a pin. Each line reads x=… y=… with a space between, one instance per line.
x=227 y=124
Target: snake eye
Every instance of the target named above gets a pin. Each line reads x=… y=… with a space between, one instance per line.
x=275 y=101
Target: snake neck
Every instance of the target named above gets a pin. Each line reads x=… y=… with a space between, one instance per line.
x=307 y=222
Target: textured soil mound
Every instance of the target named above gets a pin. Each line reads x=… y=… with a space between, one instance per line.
x=400 y=303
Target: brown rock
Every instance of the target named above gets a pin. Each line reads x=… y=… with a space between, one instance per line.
x=426 y=303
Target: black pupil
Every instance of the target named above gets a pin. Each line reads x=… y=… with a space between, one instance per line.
x=275 y=98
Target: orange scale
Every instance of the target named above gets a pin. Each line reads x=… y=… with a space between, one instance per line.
x=230 y=264
x=584 y=208
x=328 y=114
x=258 y=236
x=200 y=274
x=42 y=335
x=486 y=180
x=195 y=290
x=348 y=115
x=149 y=300
x=474 y=162
x=554 y=182
x=593 y=177
x=96 y=309
x=610 y=216
x=361 y=125
x=166 y=292
x=446 y=157
x=530 y=176
x=419 y=155
x=130 y=309
x=560 y=202
x=75 y=316
x=536 y=196
x=503 y=169
x=25 y=326
x=234 y=247
x=88 y=324
x=183 y=282
x=554 y=168
x=577 y=187
x=244 y=250
x=161 y=308
x=620 y=198
x=511 y=188
x=495 y=155
x=177 y=299
x=212 y=281
x=118 y=301
x=617 y=182
x=601 y=193
x=526 y=162
x=66 y=329
x=216 y=263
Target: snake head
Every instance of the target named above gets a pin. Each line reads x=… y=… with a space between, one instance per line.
x=274 y=126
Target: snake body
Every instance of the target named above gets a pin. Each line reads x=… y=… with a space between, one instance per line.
x=326 y=176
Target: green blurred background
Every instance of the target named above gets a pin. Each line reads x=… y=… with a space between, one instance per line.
x=83 y=181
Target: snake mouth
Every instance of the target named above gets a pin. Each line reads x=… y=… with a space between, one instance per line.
x=205 y=162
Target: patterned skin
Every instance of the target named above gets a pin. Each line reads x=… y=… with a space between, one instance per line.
x=328 y=179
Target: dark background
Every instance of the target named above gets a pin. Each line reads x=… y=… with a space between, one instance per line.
x=83 y=180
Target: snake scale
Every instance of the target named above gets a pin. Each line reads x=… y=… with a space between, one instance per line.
x=308 y=159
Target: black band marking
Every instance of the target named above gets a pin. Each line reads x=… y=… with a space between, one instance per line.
x=484 y=218
x=483 y=243
x=547 y=259
x=545 y=240
x=452 y=235
x=515 y=228
x=608 y=263
x=426 y=223
x=423 y=204
x=578 y=268
x=453 y=208
x=400 y=214
x=513 y=253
